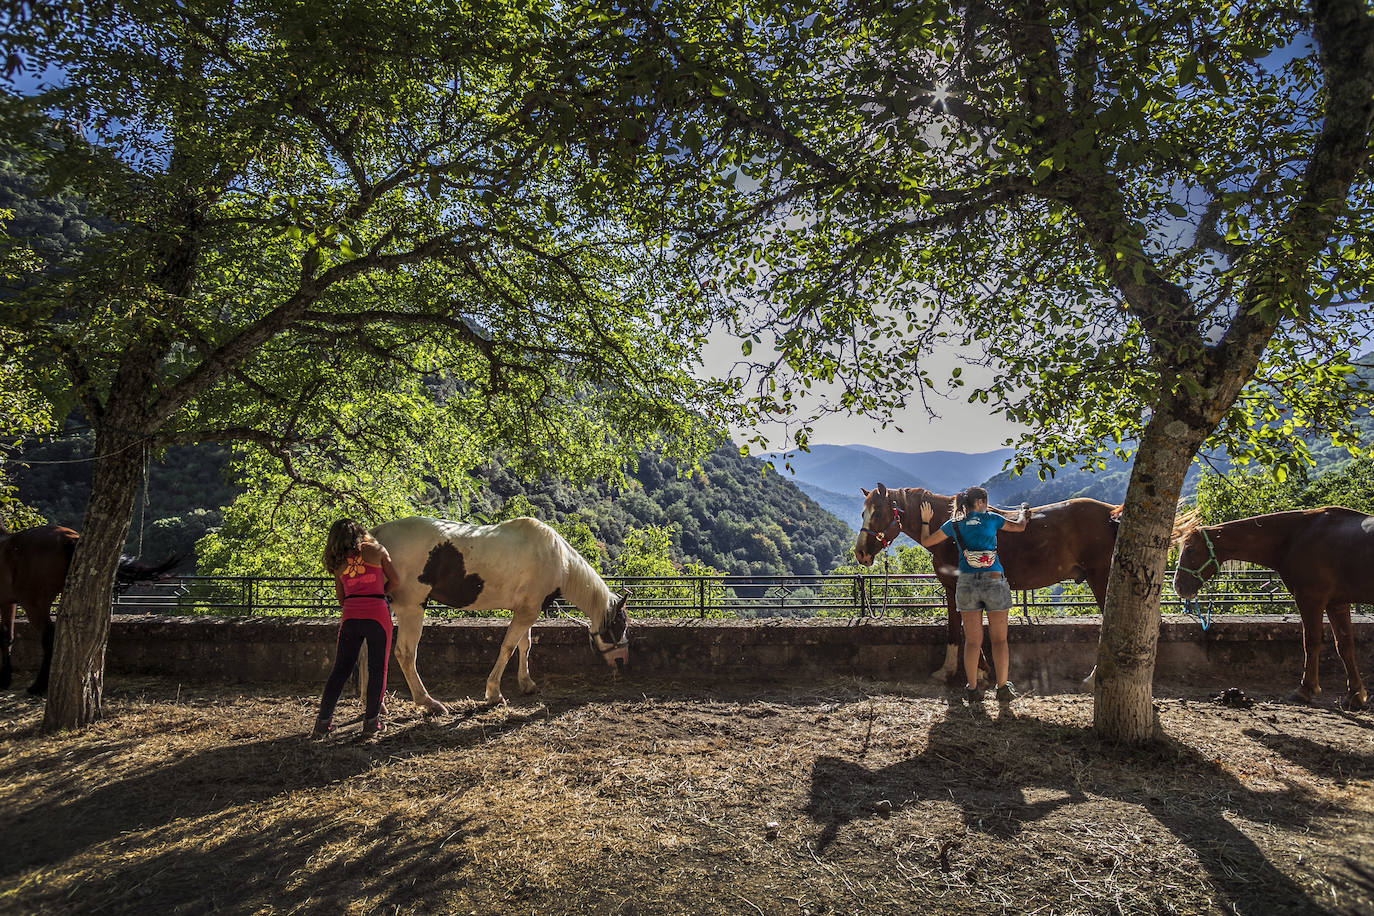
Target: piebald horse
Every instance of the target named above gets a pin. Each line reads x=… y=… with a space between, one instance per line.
x=1072 y=539
x=33 y=568
x=1324 y=556
x=520 y=565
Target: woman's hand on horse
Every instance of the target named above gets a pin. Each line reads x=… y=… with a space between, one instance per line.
x=926 y=513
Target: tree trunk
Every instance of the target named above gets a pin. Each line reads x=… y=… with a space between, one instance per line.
x=77 y=683
x=1122 y=708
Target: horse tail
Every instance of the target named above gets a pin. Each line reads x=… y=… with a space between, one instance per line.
x=133 y=571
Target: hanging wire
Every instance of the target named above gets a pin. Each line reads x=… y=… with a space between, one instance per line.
x=143 y=511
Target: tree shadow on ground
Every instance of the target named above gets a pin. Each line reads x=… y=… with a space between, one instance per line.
x=1318 y=759
x=986 y=770
x=201 y=785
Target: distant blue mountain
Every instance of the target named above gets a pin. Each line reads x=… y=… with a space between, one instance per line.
x=847 y=507
x=832 y=475
x=842 y=469
x=945 y=472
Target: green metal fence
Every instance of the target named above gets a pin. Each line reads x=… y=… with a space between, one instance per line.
x=734 y=597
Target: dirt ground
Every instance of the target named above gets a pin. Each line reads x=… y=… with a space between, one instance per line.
x=642 y=798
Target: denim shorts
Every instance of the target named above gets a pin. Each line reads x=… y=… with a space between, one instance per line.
x=977 y=591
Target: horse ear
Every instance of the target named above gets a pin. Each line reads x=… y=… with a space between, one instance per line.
x=863 y=491
x=882 y=490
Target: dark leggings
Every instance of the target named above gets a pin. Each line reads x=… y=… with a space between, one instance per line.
x=352 y=635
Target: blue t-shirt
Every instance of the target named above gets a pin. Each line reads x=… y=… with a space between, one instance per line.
x=977 y=531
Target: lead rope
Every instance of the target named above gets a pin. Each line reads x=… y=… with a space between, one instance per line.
x=1194 y=607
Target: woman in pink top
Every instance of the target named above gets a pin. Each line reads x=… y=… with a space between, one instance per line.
x=363 y=575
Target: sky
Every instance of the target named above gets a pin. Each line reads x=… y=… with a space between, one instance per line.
x=960 y=427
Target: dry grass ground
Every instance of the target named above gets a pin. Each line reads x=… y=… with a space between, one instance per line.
x=640 y=798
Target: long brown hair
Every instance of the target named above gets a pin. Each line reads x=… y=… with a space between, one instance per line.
x=965 y=500
x=345 y=537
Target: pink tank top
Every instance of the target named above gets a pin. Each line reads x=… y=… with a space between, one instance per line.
x=364 y=588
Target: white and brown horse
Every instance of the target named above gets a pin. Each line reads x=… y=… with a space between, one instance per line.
x=520 y=565
x=1324 y=556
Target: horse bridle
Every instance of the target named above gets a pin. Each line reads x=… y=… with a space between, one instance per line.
x=1211 y=560
x=1193 y=605
x=888 y=534
x=603 y=636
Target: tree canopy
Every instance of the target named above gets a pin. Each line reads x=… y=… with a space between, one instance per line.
x=1151 y=222
x=359 y=242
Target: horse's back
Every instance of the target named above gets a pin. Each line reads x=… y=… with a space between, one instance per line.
x=34 y=562
x=1064 y=540
x=1331 y=550
x=479 y=567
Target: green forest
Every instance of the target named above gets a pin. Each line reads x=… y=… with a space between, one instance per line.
x=730 y=514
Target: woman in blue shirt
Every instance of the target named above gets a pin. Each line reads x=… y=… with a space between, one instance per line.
x=982 y=584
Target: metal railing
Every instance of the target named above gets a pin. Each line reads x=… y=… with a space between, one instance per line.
x=735 y=597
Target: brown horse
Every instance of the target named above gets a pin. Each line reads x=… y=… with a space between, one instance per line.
x=33 y=567
x=1324 y=556
x=1072 y=539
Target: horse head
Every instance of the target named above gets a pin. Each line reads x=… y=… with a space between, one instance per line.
x=882 y=523
x=1197 y=562
x=613 y=639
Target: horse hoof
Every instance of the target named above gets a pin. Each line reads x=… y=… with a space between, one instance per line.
x=1297 y=696
x=435 y=708
x=531 y=688
x=1354 y=702
x=497 y=700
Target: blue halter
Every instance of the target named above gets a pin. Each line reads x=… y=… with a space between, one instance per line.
x=1193 y=606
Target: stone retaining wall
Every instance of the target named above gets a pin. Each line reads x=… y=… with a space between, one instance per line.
x=1050 y=656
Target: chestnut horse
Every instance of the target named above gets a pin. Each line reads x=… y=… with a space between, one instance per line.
x=1324 y=556
x=33 y=567
x=520 y=565
x=1072 y=539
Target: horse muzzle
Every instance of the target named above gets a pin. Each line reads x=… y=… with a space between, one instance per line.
x=617 y=655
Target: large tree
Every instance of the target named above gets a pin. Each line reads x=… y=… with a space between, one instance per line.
x=1150 y=222
x=367 y=239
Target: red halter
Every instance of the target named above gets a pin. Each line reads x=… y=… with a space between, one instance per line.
x=889 y=534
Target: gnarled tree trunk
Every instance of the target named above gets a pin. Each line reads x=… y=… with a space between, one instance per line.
x=76 y=686
x=1122 y=707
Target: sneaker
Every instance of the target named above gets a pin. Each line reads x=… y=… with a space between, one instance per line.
x=973 y=695
x=322 y=729
x=1006 y=693
x=372 y=728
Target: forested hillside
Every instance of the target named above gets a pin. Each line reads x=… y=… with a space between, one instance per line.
x=733 y=514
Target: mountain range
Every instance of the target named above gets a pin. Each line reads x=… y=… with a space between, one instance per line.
x=832 y=474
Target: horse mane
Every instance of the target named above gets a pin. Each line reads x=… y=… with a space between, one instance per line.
x=581 y=586
x=1185 y=523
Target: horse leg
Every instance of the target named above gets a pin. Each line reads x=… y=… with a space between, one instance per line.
x=527 y=684
x=1344 y=633
x=516 y=633
x=409 y=621
x=1310 y=611
x=953 y=637
x=40 y=683
x=1098 y=584
x=6 y=644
